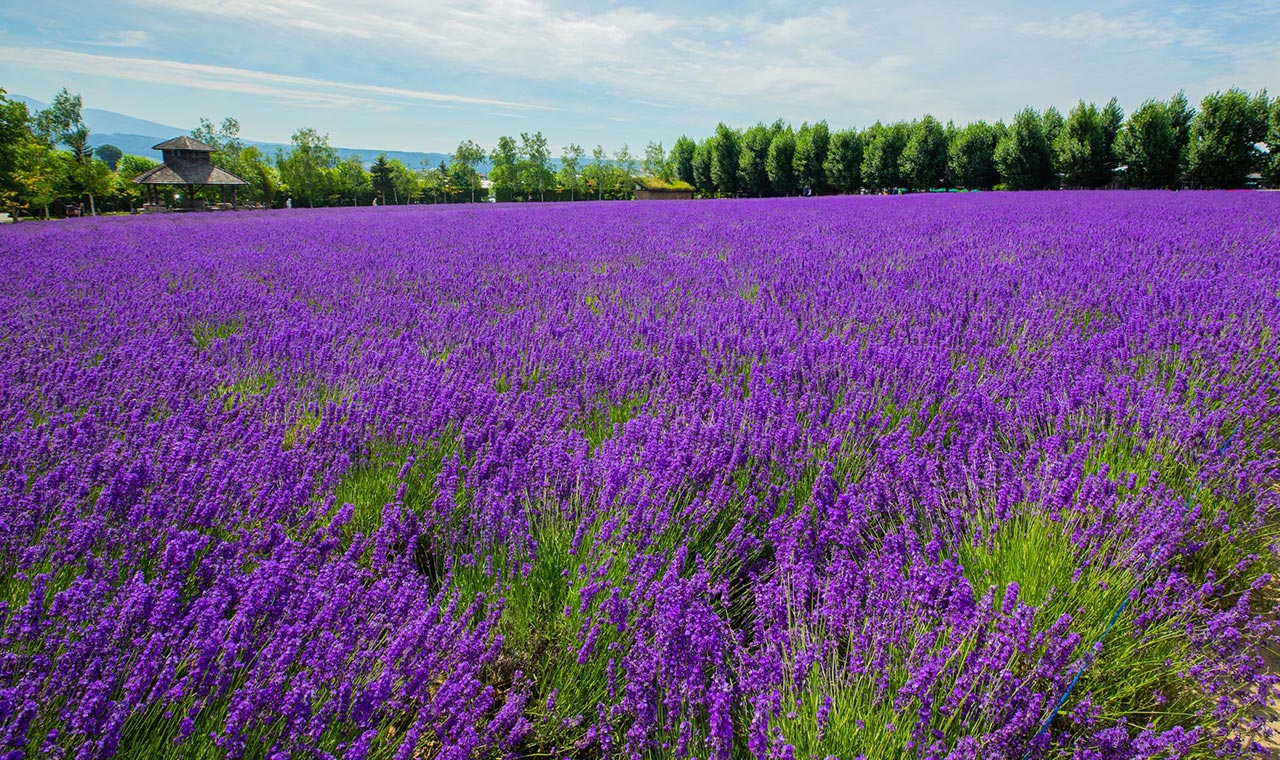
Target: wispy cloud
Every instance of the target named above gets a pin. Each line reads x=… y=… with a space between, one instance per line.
x=1098 y=30
x=299 y=90
x=121 y=38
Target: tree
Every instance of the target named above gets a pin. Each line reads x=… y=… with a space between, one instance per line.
x=128 y=167
x=304 y=167
x=596 y=170
x=780 y=163
x=536 y=166
x=62 y=123
x=621 y=173
x=753 y=161
x=1271 y=171
x=570 y=167
x=843 y=166
x=923 y=163
x=505 y=172
x=109 y=155
x=354 y=178
x=224 y=138
x=812 y=142
x=1224 y=137
x=1022 y=154
x=971 y=157
x=701 y=166
x=881 y=156
x=655 y=161
x=724 y=161
x=1148 y=147
x=1082 y=148
x=1112 y=122
x=15 y=140
x=1181 y=115
x=380 y=176
x=403 y=182
x=681 y=159
x=466 y=157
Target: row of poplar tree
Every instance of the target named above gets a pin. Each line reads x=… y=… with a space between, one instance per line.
x=46 y=161
x=1162 y=144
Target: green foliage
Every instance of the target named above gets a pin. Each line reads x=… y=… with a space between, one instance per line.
x=1271 y=171
x=380 y=176
x=1224 y=136
x=570 y=174
x=812 y=144
x=971 y=158
x=780 y=164
x=681 y=159
x=724 y=160
x=1022 y=155
x=1082 y=149
x=109 y=155
x=701 y=166
x=843 y=166
x=882 y=154
x=304 y=167
x=535 y=166
x=655 y=161
x=923 y=163
x=1148 y=147
x=753 y=161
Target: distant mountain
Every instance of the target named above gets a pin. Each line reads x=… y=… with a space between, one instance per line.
x=136 y=136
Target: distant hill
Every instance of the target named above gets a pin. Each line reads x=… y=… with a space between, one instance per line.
x=133 y=135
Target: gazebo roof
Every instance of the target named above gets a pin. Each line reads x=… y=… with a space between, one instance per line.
x=185 y=143
x=180 y=172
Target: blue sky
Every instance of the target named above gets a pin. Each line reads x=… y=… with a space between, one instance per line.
x=405 y=75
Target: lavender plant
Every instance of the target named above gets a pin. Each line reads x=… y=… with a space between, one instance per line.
x=853 y=477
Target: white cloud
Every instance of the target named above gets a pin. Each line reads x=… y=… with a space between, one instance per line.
x=1097 y=30
x=126 y=39
x=300 y=90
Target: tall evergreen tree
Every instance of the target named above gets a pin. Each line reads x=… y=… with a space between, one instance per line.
x=724 y=161
x=681 y=159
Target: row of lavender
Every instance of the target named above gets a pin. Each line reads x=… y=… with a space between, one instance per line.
x=855 y=476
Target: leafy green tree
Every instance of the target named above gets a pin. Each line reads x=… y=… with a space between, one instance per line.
x=923 y=163
x=812 y=144
x=753 y=161
x=843 y=166
x=724 y=161
x=380 y=176
x=1271 y=172
x=128 y=167
x=1147 y=146
x=595 y=172
x=1112 y=123
x=971 y=158
x=466 y=157
x=62 y=123
x=536 y=163
x=681 y=159
x=1181 y=116
x=1022 y=154
x=109 y=155
x=1082 y=150
x=505 y=169
x=1224 y=138
x=570 y=168
x=780 y=163
x=882 y=154
x=700 y=163
x=404 y=183
x=16 y=140
x=355 y=180
x=305 y=167
x=655 y=161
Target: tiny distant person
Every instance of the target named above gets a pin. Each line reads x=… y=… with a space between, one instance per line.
x=375 y=201
x=808 y=191
x=288 y=202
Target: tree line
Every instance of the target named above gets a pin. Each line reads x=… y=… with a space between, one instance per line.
x=46 y=162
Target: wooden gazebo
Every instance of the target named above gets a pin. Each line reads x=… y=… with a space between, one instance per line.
x=186 y=162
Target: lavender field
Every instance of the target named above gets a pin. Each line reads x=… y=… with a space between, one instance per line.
x=786 y=478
